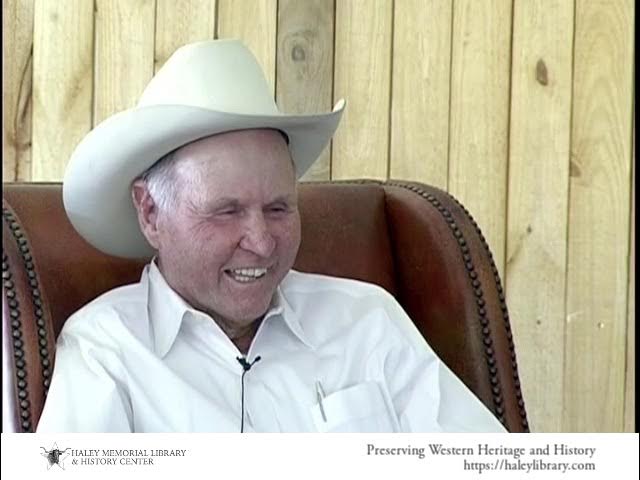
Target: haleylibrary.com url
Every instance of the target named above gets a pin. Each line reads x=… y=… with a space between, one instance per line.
x=535 y=465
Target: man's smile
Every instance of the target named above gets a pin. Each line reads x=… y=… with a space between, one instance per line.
x=246 y=274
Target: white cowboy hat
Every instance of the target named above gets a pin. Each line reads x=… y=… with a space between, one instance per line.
x=205 y=88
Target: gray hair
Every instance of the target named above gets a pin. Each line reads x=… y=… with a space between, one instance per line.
x=160 y=180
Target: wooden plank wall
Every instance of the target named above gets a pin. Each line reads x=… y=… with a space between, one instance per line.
x=520 y=108
x=541 y=79
x=62 y=116
x=598 y=222
x=630 y=381
x=479 y=114
x=17 y=88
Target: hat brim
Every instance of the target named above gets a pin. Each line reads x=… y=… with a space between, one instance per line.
x=97 y=181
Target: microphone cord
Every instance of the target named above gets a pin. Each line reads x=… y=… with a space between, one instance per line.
x=246 y=366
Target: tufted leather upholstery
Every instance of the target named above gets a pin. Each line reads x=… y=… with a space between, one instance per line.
x=416 y=241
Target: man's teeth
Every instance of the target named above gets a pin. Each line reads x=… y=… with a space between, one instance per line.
x=247 y=274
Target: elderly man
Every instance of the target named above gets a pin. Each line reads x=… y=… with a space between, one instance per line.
x=220 y=334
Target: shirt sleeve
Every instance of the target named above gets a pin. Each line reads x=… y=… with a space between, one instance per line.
x=426 y=395
x=84 y=396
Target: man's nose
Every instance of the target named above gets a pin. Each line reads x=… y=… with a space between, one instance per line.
x=257 y=238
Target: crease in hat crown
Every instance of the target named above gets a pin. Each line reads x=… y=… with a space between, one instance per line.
x=242 y=80
x=203 y=89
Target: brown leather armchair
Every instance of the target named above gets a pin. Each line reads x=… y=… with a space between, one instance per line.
x=416 y=241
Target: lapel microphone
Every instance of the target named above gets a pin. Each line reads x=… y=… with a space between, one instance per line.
x=246 y=366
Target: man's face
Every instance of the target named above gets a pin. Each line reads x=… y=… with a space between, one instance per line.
x=235 y=229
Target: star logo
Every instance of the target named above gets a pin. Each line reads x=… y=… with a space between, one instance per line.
x=54 y=456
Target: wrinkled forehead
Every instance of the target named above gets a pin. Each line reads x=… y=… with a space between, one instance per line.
x=247 y=159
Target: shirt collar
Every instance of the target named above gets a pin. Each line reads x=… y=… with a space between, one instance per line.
x=280 y=306
x=167 y=310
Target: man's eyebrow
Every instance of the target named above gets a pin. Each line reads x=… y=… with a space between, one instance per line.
x=222 y=202
x=235 y=202
x=288 y=198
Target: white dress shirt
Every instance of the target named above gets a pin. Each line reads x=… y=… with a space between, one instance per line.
x=140 y=359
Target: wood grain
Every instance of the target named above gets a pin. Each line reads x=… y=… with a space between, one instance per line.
x=630 y=371
x=597 y=277
x=538 y=200
x=305 y=65
x=124 y=54
x=254 y=22
x=362 y=76
x=420 y=91
x=61 y=120
x=180 y=23
x=17 y=62
x=478 y=132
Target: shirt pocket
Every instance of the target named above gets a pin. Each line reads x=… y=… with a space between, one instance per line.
x=360 y=408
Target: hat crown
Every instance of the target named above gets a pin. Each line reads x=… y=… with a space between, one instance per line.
x=219 y=75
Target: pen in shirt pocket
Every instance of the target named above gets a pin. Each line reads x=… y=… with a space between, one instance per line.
x=320 y=396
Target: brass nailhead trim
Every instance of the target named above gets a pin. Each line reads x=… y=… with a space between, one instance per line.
x=16 y=333
x=505 y=315
x=14 y=306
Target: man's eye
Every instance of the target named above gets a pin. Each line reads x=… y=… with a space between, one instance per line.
x=227 y=212
x=278 y=209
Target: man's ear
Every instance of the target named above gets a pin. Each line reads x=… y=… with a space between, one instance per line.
x=147 y=211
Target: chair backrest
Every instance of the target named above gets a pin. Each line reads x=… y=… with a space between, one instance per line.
x=416 y=241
